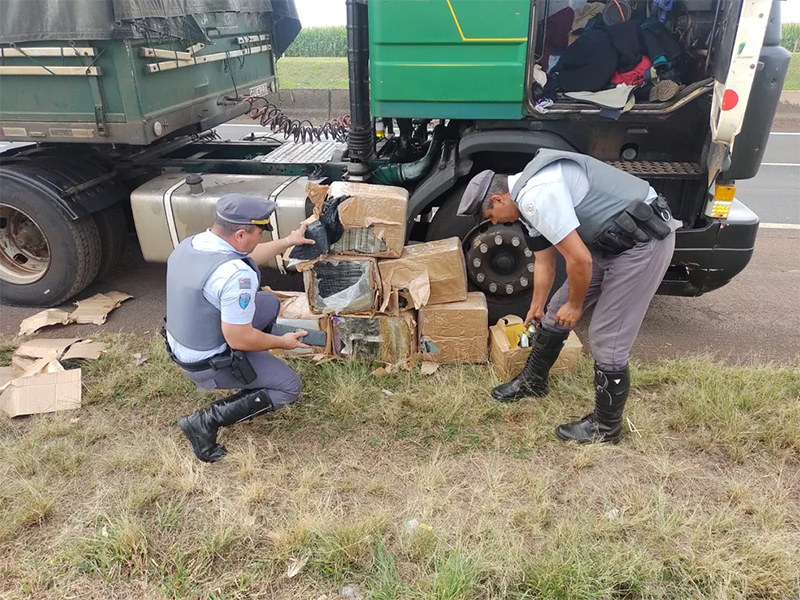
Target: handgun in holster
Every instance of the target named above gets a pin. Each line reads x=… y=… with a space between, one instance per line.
x=240 y=366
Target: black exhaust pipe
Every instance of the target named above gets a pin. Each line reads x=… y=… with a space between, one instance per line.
x=361 y=137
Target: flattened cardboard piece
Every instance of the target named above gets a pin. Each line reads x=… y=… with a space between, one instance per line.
x=87 y=349
x=21 y=364
x=381 y=372
x=428 y=368
x=45 y=318
x=342 y=285
x=508 y=361
x=442 y=260
x=374 y=219
x=118 y=297
x=95 y=309
x=457 y=332
x=295 y=312
x=43 y=348
x=388 y=339
x=43 y=365
x=7 y=375
x=49 y=391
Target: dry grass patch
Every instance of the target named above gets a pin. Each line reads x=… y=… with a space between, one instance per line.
x=429 y=491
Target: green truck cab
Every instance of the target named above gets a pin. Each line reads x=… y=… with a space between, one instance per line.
x=125 y=130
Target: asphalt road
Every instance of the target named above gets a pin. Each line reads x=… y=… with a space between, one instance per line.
x=756 y=316
x=774 y=194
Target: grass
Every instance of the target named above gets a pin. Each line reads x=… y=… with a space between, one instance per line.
x=432 y=492
x=792 y=82
x=312 y=73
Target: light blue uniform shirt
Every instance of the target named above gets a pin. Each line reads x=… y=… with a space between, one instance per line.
x=547 y=202
x=231 y=288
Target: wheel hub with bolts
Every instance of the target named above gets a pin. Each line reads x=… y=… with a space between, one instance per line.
x=24 y=253
x=499 y=261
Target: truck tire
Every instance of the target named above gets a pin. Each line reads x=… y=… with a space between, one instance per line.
x=45 y=257
x=113 y=229
x=510 y=260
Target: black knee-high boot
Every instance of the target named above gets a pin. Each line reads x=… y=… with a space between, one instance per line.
x=605 y=423
x=534 y=380
x=201 y=426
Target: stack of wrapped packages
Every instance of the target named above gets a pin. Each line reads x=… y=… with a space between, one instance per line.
x=377 y=299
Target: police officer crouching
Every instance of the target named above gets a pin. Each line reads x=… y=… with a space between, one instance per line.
x=218 y=320
x=617 y=237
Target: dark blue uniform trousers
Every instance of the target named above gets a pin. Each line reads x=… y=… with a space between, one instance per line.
x=274 y=375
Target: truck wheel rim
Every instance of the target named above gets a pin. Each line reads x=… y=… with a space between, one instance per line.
x=499 y=262
x=24 y=251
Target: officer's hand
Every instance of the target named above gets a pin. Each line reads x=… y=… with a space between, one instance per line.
x=536 y=313
x=568 y=315
x=292 y=340
x=298 y=236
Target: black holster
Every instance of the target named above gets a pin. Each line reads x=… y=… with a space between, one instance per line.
x=637 y=224
x=241 y=367
x=235 y=360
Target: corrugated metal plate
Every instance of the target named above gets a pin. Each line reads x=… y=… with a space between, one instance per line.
x=658 y=169
x=313 y=152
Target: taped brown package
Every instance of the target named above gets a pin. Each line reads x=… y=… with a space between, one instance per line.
x=457 y=332
x=426 y=274
x=342 y=284
x=508 y=361
x=295 y=312
x=384 y=338
x=374 y=217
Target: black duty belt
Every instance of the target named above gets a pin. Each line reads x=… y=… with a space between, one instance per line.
x=205 y=364
x=236 y=360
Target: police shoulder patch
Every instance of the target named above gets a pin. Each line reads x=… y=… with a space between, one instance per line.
x=244 y=300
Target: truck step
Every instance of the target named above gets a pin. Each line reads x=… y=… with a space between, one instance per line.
x=311 y=152
x=659 y=169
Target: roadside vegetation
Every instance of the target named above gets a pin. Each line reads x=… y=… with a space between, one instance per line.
x=312 y=73
x=317 y=59
x=320 y=41
x=793 y=76
x=410 y=487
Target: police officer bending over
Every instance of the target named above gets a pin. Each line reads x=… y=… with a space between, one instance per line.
x=617 y=237
x=218 y=320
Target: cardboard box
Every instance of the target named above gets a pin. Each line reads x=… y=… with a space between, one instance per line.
x=295 y=312
x=342 y=285
x=374 y=217
x=457 y=332
x=508 y=360
x=44 y=387
x=426 y=274
x=384 y=338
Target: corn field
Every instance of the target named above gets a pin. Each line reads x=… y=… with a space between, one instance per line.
x=332 y=41
x=791 y=37
x=320 y=41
